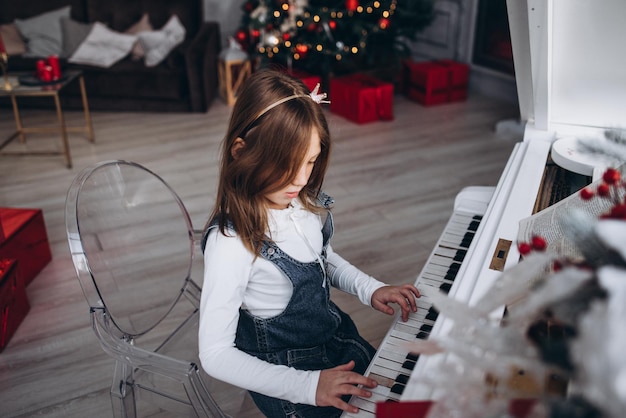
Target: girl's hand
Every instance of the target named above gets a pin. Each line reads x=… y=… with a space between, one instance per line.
x=339 y=381
x=403 y=295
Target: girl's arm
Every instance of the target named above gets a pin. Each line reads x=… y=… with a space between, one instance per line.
x=369 y=290
x=227 y=269
x=348 y=278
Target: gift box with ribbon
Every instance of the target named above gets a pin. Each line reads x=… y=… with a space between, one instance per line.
x=435 y=82
x=361 y=98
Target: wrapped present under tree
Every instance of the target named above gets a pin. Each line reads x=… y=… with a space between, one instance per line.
x=435 y=82
x=361 y=98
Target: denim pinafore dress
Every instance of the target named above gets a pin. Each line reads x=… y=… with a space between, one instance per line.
x=312 y=333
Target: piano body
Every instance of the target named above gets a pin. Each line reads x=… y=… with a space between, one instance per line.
x=569 y=66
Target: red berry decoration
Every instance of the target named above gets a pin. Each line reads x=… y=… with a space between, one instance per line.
x=586 y=193
x=557 y=266
x=617 y=212
x=524 y=248
x=604 y=190
x=538 y=243
x=611 y=176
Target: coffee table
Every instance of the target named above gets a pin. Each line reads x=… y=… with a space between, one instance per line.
x=49 y=90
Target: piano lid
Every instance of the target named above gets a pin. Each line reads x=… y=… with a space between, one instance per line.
x=569 y=62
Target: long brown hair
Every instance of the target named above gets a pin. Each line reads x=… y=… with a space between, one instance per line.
x=276 y=143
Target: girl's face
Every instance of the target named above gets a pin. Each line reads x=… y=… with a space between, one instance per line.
x=281 y=198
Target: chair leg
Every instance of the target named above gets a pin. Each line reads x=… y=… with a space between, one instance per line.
x=123 y=399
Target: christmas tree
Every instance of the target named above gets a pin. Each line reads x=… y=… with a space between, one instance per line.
x=332 y=36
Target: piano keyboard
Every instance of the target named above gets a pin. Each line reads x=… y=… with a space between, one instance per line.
x=392 y=365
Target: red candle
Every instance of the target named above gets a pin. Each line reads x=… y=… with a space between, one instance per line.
x=53 y=61
x=2 y=48
x=41 y=68
x=47 y=73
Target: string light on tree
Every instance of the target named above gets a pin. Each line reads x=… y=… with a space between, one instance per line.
x=354 y=33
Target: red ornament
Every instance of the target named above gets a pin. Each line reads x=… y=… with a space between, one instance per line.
x=351 y=5
x=332 y=24
x=383 y=23
x=524 y=248
x=538 y=243
x=248 y=7
x=611 y=176
x=302 y=49
x=286 y=36
x=256 y=33
x=312 y=27
x=586 y=193
x=241 y=36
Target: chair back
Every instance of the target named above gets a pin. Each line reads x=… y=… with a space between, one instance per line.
x=132 y=243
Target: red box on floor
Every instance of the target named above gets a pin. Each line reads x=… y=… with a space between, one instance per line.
x=310 y=80
x=25 y=240
x=435 y=82
x=13 y=301
x=361 y=98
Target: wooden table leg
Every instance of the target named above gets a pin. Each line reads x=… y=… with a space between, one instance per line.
x=88 y=124
x=66 y=146
x=18 y=120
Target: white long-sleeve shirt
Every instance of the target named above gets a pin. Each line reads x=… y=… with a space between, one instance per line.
x=233 y=278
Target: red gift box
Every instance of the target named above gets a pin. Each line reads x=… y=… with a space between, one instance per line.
x=25 y=240
x=518 y=408
x=13 y=301
x=436 y=82
x=309 y=80
x=361 y=98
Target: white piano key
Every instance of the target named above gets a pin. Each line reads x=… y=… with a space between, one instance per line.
x=364 y=404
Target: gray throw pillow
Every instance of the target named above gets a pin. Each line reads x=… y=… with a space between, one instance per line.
x=74 y=33
x=43 y=32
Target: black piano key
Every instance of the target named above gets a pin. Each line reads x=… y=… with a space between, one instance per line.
x=460 y=255
x=422 y=335
x=473 y=226
x=408 y=364
x=445 y=287
x=426 y=327
x=450 y=276
x=412 y=357
x=397 y=388
x=432 y=314
x=402 y=378
x=467 y=240
x=454 y=267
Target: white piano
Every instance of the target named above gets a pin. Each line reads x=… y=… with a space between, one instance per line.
x=570 y=65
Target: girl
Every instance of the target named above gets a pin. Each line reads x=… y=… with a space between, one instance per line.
x=267 y=323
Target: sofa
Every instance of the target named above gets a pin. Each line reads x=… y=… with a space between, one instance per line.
x=184 y=81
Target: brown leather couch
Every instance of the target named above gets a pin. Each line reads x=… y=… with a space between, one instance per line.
x=186 y=81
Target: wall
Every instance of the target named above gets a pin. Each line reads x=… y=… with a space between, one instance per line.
x=228 y=13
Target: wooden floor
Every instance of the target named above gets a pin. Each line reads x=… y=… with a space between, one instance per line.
x=393 y=182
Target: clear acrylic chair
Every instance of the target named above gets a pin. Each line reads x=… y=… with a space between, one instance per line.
x=133 y=245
